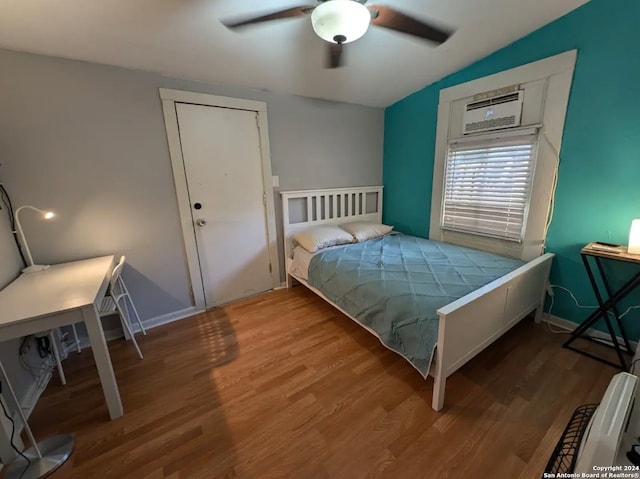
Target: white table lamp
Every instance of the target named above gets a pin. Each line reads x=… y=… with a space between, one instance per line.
x=47 y=215
x=634 y=238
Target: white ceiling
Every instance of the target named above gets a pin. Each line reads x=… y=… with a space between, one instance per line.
x=184 y=38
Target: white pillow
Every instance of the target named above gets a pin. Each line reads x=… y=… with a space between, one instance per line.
x=363 y=231
x=318 y=237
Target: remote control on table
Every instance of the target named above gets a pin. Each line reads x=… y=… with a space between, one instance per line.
x=606 y=247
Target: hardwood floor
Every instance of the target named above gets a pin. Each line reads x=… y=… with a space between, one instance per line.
x=284 y=386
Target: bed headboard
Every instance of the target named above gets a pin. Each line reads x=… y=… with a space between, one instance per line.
x=331 y=206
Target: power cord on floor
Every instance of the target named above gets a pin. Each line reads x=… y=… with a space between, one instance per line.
x=626 y=311
x=559 y=331
x=575 y=300
x=13 y=432
x=581 y=306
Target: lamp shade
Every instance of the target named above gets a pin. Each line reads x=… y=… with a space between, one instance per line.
x=340 y=21
x=634 y=237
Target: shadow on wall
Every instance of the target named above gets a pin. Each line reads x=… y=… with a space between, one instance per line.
x=228 y=290
x=135 y=281
x=163 y=300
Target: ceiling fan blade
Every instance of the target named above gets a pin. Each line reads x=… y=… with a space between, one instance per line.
x=334 y=60
x=392 y=19
x=300 y=11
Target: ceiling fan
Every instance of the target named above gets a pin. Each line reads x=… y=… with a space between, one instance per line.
x=343 y=21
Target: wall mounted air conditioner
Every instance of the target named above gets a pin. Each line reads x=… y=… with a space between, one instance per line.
x=504 y=111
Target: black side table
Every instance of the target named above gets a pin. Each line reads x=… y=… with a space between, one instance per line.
x=607 y=304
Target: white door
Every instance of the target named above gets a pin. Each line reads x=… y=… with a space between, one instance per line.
x=223 y=166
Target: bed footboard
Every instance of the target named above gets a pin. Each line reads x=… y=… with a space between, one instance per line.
x=467 y=326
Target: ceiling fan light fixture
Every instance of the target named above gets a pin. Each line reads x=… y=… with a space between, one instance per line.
x=340 y=21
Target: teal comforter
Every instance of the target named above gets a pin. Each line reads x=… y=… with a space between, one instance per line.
x=395 y=284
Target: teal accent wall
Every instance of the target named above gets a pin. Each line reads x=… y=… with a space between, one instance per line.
x=598 y=190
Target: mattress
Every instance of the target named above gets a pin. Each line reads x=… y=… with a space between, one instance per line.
x=394 y=286
x=300 y=263
x=302 y=259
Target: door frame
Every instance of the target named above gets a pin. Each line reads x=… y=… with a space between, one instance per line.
x=169 y=99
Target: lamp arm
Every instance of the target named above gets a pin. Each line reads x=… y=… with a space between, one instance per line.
x=30 y=208
x=23 y=241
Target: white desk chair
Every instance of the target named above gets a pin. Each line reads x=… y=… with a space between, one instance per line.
x=116 y=302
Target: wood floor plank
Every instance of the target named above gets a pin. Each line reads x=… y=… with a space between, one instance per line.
x=282 y=385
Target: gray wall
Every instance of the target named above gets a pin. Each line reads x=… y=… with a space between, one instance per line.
x=89 y=141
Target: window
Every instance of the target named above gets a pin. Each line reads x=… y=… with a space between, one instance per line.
x=546 y=84
x=487 y=186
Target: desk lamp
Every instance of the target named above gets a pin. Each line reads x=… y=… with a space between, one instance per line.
x=47 y=215
x=634 y=238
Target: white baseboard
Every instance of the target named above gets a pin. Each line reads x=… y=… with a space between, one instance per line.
x=171 y=317
x=150 y=323
x=594 y=333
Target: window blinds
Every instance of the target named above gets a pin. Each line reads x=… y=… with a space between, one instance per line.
x=488 y=183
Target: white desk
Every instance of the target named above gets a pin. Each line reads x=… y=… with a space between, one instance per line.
x=63 y=294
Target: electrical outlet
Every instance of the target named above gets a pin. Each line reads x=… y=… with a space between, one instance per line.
x=550 y=290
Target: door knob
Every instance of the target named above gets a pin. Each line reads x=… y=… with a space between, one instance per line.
x=201 y=222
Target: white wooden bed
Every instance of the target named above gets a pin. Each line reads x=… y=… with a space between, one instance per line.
x=466 y=326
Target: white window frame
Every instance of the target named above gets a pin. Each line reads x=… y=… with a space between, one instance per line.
x=558 y=71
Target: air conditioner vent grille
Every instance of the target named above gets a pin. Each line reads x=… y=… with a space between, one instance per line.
x=505 y=122
x=478 y=104
x=493 y=101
